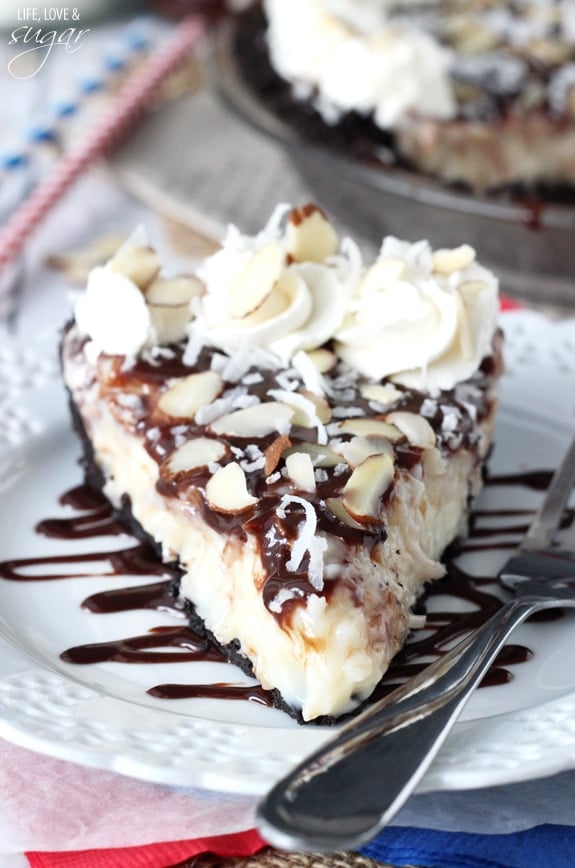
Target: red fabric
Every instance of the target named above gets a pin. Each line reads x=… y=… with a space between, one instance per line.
x=151 y=855
x=509 y=303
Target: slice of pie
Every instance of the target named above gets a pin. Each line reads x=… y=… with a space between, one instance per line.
x=302 y=431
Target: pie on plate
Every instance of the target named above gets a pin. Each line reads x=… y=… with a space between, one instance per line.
x=302 y=431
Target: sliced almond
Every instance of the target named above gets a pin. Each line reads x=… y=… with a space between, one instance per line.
x=322 y=408
x=382 y=394
x=174 y=291
x=323 y=359
x=274 y=452
x=356 y=450
x=308 y=408
x=321 y=456
x=170 y=322
x=335 y=505
x=417 y=429
x=300 y=470
x=227 y=491
x=193 y=456
x=256 y=279
x=446 y=261
x=310 y=237
x=140 y=264
x=471 y=288
x=277 y=300
x=379 y=275
x=184 y=398
x=366 y=486
x=366 y=427
x=257 y=421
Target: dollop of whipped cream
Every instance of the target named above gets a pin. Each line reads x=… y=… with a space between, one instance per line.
x=348 y=55
x=130 y=306
x=113 y=311
x=426 y=319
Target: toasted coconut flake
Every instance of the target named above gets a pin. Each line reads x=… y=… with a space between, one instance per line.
x=274 y=452
x=306 y=541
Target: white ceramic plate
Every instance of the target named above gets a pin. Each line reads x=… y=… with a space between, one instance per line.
x=101 y=715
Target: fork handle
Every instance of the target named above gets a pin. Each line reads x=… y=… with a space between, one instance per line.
x=339 y=797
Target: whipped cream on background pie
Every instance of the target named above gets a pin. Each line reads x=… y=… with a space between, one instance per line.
x=478 y=93
x=301 y=430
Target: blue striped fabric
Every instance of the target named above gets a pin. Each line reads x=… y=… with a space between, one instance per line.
x=546 y=846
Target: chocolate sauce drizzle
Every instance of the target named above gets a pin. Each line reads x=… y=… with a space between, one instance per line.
x=92 y=516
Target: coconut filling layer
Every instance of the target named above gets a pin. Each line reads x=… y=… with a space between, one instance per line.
x=528 y=150
x=326 y=656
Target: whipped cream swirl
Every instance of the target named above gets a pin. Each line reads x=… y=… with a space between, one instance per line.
x=112 y=311
x=425 y=319
x=351 y=56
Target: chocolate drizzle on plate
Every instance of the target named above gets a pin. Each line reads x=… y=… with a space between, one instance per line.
x=92 y=516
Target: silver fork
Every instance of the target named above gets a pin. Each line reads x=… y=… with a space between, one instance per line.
x=344 y=793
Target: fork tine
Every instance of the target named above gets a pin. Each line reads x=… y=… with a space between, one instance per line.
x=548 y=519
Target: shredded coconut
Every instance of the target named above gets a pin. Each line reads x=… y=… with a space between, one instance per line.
x=451 y=419
x=428 y=408
x=252 y=379
x=256 y=464
x=294 y=399
x=312 y=379
x=234 y=399
x=347 y=412
x=286 y=381
x=306 y=540
x=281 y=598
x=194 y=346
x=254 y=460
